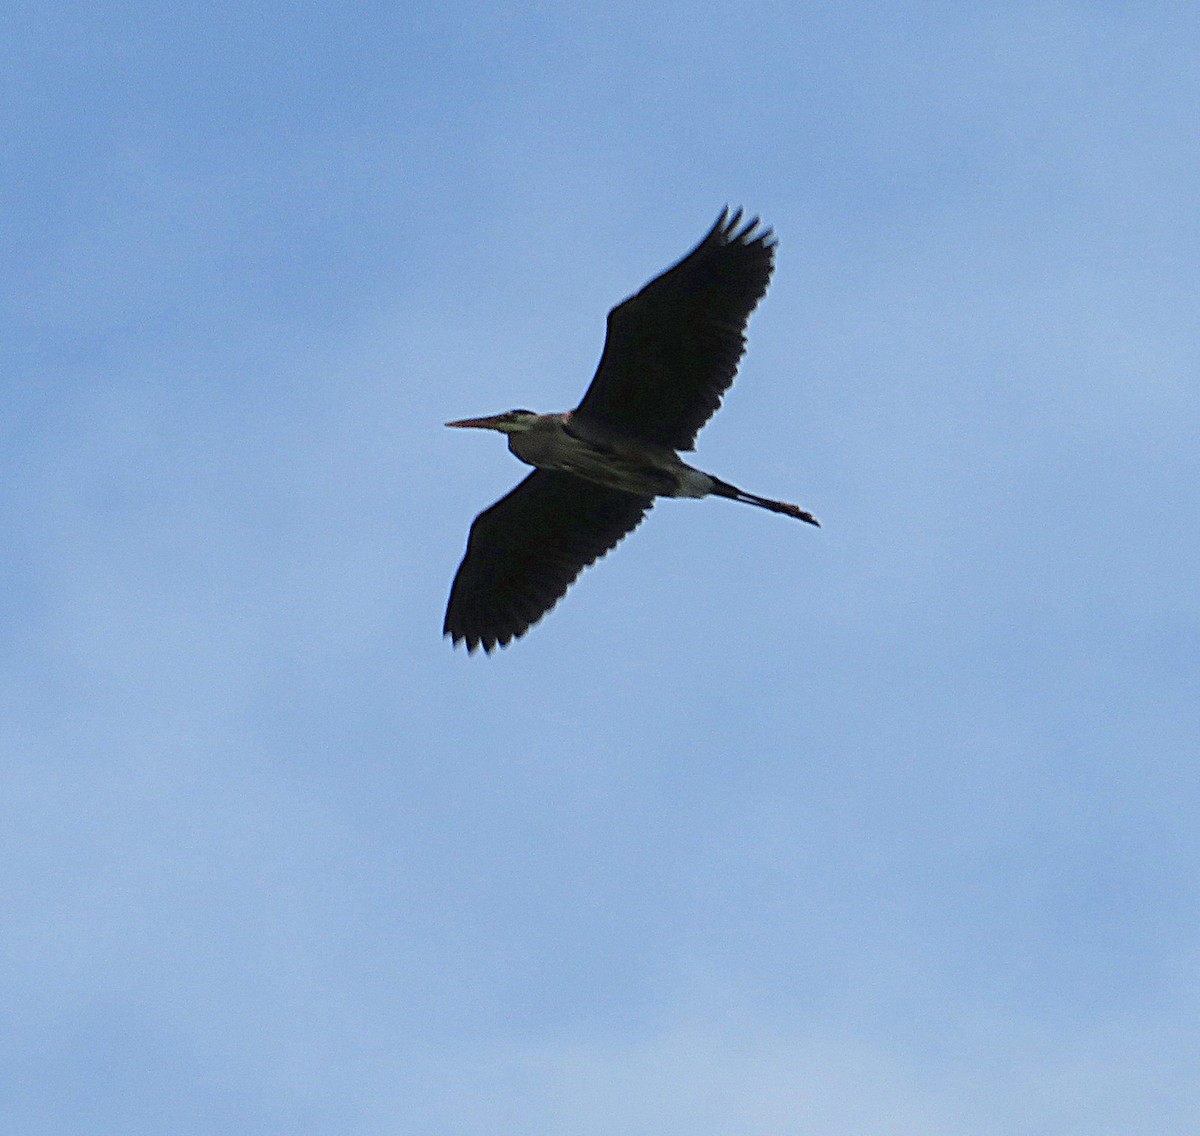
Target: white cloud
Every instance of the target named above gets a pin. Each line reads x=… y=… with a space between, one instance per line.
x=719 y=1082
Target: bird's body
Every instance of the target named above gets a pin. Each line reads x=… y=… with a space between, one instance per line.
x=587 y=450
x=671 y=352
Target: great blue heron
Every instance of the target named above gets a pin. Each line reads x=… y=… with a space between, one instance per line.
x=671 y=352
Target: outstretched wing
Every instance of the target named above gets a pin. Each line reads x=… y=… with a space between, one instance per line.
x=526 y=550
x=673 y=349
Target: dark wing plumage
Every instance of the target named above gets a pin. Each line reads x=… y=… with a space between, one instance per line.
x=526 y=550
x=673 y=349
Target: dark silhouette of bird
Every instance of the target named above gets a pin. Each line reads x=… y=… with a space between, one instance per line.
x=671 y=352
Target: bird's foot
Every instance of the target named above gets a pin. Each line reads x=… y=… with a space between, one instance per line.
x=798 y=513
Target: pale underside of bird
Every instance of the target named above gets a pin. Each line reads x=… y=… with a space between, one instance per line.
x=671 y=352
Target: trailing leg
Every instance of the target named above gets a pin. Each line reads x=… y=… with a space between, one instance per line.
x=724 y=489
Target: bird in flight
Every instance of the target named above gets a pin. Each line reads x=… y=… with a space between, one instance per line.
x=670 y=353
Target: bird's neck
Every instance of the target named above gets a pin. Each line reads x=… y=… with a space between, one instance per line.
x=540 y=441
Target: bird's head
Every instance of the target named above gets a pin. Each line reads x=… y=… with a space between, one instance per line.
x=510 y=422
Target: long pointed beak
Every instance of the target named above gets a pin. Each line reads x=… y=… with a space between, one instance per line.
x=481 y=423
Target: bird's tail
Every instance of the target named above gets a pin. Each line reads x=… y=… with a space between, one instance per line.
x=724 y=489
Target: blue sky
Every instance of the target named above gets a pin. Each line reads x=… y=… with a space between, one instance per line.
x=885 y=828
